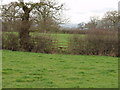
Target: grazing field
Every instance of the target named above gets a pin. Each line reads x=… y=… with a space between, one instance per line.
x=64 y=38
x=59 y=37
x=36 y=70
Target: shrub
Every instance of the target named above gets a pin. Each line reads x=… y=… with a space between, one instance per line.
x=73 y=31
x=96 y=42
x=42 y=44
x=77 y=45
x=10 y=41
x=0 y=40
x=100 y=42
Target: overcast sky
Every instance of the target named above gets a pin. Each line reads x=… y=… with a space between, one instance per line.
x=81 y=10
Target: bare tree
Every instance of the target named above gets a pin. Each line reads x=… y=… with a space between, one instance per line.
x=81 y=26
x=10 y=16
x=26 y=9
x=92 y=23
x=112 y=16
x=47 y=18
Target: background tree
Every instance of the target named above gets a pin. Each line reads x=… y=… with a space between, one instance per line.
x=112 y=17
x=81 y=26
x=92 y=24
x=109 y=21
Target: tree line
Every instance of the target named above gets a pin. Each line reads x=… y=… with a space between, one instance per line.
x=108 y=21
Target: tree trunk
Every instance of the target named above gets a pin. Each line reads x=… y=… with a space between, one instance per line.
x=24 y=31
x=45 y=26
x=24 y=36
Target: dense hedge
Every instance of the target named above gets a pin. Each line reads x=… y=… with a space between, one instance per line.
x=96 y=42
x=41 y=44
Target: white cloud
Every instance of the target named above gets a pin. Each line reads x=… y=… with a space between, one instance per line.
x=81 y=10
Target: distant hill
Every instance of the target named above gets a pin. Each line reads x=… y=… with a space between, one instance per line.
x=69 y=25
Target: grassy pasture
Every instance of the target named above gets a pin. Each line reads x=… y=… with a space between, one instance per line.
x=59 y=37
x=62 y=38
x=36 y=70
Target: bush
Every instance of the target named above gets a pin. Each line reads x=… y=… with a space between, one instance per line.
x=73 y=31
x=10 y=41
x=42 y=44
x=102 y=43
x=97 y=42
x=0 y=40
x=77 y=45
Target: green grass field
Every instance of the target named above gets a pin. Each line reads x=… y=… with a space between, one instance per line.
x=59 y=37
x=62 y=38
x=36 y=70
